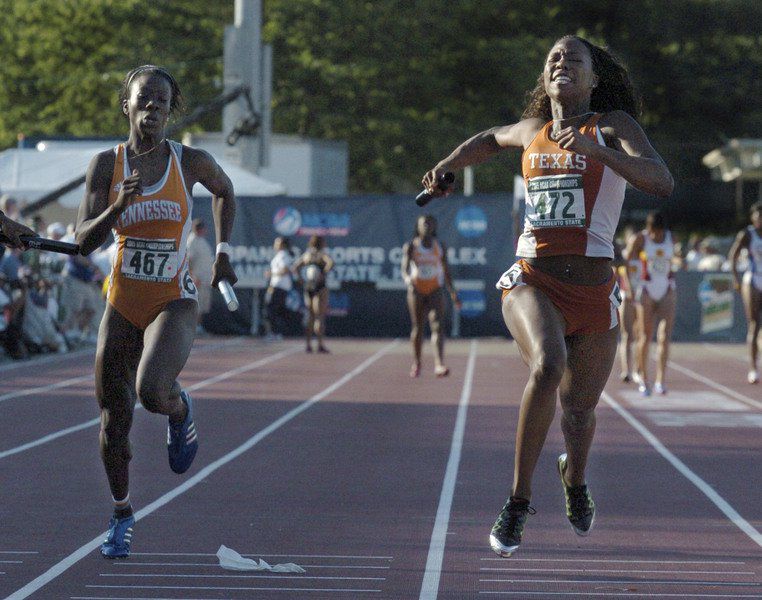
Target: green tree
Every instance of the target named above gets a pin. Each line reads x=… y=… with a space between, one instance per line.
x=64 y=61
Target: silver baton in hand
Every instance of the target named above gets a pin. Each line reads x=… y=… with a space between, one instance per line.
x=227 y=292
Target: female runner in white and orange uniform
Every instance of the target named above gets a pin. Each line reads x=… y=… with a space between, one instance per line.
x=141 y=192
x=656 y=297
x=426 y=273
x=581 y=144
x=751 y=286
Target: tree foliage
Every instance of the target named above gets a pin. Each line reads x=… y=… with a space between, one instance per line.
x=403 y=82
x=63 y=62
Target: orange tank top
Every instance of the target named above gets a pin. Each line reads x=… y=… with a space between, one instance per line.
x=426 y=270
x=150 y=265
x=573 y=203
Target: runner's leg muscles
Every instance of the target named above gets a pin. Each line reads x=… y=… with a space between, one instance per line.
x=588 y=366
x=116 y=360
x=538 y=328
x=436 y=315
x=415 y=306
x=168 y=341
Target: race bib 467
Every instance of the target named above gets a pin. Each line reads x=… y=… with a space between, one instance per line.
x=149 y=260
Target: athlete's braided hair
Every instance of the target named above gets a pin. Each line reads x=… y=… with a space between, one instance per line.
x=613 y=92
x=176 y=103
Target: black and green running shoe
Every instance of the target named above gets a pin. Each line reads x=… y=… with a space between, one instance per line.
x=580 y=508
x=506 y=532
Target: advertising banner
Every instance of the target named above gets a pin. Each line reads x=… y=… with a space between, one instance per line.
x=364 y=236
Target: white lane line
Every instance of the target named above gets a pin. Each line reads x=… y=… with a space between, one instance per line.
x=11 y=562
x=45 y=360
x=244 y=589
x=257 y=555
x=216 y=565
x=241 y=576
x=45 y=388
x=613 y=594
x=723 y=352
x=623 y=583
x=673 y=572
x=83 y=551
x=84 y=378
x=430 y=583
x=201 y=384
x=686 y=472
x=638 y=562
x=718 y=386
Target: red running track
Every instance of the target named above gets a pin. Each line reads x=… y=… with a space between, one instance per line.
x=381 y=486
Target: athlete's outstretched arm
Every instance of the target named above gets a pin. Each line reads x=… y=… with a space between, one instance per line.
x=205 y=170
x=96 y=218
x=481 y=147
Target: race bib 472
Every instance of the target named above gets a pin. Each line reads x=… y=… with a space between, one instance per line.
x=556 y=201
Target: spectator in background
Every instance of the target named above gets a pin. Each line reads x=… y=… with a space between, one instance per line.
x=281 y=283
x=315 y=264
x=13 y=299
x=200 y=262
x=10 y=206
x=81 y=299
x=9 y=227
x=750 y=239
x=711 y=258
x=53 y=263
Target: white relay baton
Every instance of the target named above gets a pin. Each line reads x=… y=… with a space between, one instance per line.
x=227 y=292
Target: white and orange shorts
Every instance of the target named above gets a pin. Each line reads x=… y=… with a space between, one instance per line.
x=585 y=308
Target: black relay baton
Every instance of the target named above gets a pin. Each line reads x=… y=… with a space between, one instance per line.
x=445 y=181
x=40 y=243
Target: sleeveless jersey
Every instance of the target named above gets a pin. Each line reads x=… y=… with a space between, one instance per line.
x=426 y=270
x=657 y=265
x=573 y=203
x=150 y=266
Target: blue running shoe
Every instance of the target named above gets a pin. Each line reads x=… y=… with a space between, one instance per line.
x=119 y=538
x=182 y=441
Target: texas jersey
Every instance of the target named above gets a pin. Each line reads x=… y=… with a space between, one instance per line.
x=573 y=202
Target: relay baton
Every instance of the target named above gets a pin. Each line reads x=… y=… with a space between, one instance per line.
x=40 y=243
x=227 y=292
x=445 y=181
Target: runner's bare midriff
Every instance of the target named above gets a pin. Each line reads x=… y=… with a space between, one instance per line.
x=573 y=268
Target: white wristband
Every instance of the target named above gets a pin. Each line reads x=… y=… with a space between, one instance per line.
x=223 y=248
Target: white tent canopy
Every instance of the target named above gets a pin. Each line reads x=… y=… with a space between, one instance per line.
x=29 y=174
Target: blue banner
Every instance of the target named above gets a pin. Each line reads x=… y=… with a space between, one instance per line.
x=365 y=235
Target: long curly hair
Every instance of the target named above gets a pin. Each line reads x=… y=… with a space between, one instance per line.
x=613 y=92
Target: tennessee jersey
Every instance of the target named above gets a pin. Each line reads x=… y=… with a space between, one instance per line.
x=573 y=202
x=426 y=270
x=150 y=267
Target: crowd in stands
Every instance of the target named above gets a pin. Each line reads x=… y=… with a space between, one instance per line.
x=49 y=302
